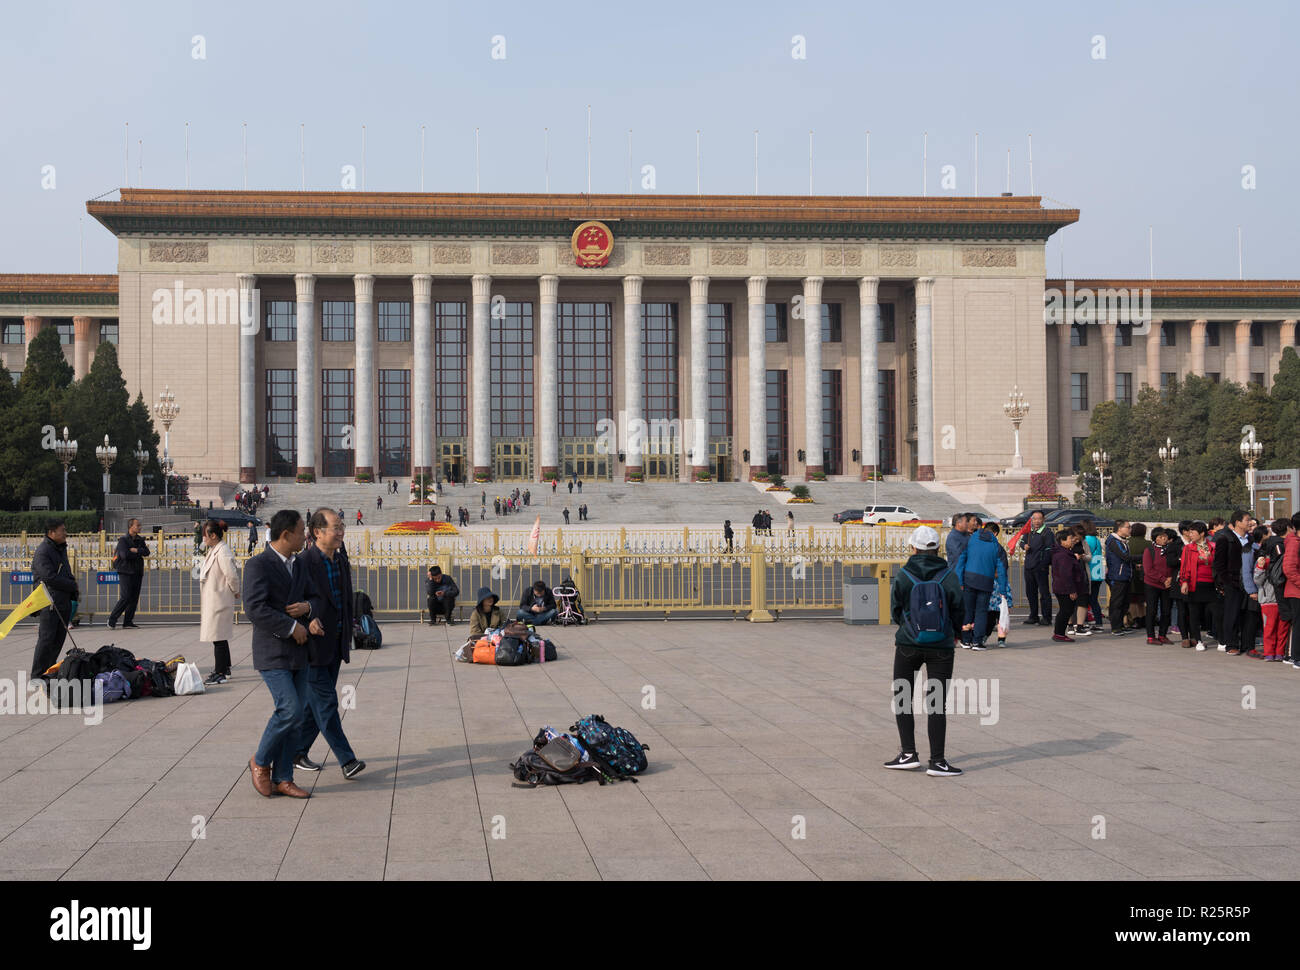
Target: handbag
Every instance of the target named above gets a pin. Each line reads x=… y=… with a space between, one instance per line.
x=188 y=679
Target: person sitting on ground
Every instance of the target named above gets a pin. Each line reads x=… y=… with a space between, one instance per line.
x=441 y=591
x=486 y=615
x=537 y=605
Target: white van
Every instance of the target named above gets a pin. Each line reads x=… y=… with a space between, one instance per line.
x=875 y=514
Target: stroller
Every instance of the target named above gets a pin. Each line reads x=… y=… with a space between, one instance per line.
x=568 y=603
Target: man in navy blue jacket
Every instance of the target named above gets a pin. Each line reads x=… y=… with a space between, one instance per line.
x=281 y=602
x=330 y=572
x=1119 y=575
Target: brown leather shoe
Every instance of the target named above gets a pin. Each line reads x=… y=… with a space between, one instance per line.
x=292 y=790
x=261 y=777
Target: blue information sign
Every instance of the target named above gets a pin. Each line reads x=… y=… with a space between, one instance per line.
x=104 y=579
x=20 y=577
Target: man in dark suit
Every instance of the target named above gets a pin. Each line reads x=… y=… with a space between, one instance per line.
x=1228 y=581
x=326 y=563
x=50 y=566
x=279 y=598
x=128 y=560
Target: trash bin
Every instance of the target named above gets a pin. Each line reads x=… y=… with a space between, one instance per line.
x=861 y=600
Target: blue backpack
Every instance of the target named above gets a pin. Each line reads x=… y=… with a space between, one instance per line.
x=926 y=613
x=612 y=748
x=116 y=686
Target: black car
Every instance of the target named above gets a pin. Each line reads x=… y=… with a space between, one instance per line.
x=1067 y=517
x=848 y=515
x=233 y=518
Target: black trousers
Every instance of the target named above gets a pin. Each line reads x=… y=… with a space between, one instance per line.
x=938 y=667
x=441 y=606
x=1066 y=615
x=1119 y=596
x=1234 y=603
x=1157 y=598
x=1251 y=621
x=1199 y=604
x=50 y=634
x=128 y=599
x=1038 y=589
x=221 y=656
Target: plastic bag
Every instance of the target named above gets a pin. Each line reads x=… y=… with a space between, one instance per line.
x=1004 y=619
x=188 y=679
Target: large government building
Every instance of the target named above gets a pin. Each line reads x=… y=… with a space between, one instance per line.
x=343 y=335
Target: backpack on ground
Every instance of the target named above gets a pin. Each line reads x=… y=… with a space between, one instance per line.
x=613 y=748
x=555 y=760
x=116 y=686
x=926 y=613
x=366 y=634
x=540 y=650
x=512 y=652
x=138 y=681
x=77 y=667
x=160 y=682
x=361 y=605
x=110 y=657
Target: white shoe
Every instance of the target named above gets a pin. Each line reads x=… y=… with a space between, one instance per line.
x=1223 y=648
x=1070 y=630
x=1200 y=646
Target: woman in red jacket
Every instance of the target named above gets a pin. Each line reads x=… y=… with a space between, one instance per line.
x=1156 y=582
x=1196 y=579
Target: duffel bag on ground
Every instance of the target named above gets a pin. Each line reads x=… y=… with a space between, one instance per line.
x=115 y=686
x=541 y=650
x=512 y=652
x=484 y=652
x=614 y=748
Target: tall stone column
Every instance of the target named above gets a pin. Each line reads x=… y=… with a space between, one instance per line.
x=249 y=327
x=699 y=437
x=480 y=387
x=1198 y=347
x=924 y=380
x=309 y=405
x=1286 y=338
x=812 y=374
x=422 y=375
x=1153 y=354
x=548 y=364
x=1243 y=352
x=31 y=327
x=1065 y=403
x=1108 y=361
x=634 y=427
x=868 y=330
x=364 y=380
x=81 y=347
x=757 y=375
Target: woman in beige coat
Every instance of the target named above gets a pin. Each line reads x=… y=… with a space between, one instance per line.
x=218 y=594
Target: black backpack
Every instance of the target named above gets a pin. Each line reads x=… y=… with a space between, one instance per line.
x=512 y=652
x=614 y=748
x=77 y=667
x=160 y=681
x=109 y=658
x=554 y=761
x=1276 y=575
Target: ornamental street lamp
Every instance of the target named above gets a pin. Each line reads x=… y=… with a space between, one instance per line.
x=107 y=454
x=1251 y=450
x=1102 y=461
x=141 y=456
x=166 y=410
x=1017 y=410
x=1168 y=455
x=66 y=452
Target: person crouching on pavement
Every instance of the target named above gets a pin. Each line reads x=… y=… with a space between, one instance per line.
x=928 y=631
x=537 y=605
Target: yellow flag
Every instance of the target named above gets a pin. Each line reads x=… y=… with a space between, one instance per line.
x=37 y=599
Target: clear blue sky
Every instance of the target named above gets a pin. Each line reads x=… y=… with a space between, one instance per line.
x=1155 y=134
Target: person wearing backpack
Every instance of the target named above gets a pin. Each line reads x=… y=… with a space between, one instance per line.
x=926 y=606
x=1271 y=581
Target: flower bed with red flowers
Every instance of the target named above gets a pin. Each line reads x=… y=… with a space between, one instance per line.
x=421 y=528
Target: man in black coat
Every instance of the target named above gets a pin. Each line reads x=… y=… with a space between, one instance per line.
x=1228 y=551
x=1038 y=569
x=279 y=598
x=50 y=566
x=330 y=572
x=442 y=591
x=537 y=605
x=128 y=560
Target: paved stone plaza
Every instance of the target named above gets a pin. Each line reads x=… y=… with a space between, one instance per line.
x=752 y=726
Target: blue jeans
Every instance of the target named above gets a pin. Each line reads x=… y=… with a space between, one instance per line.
x=279 y=741
x=536 y=619
x=977 y=612
x=320 y=713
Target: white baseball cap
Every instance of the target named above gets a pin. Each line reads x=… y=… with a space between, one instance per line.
x=924 y=537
